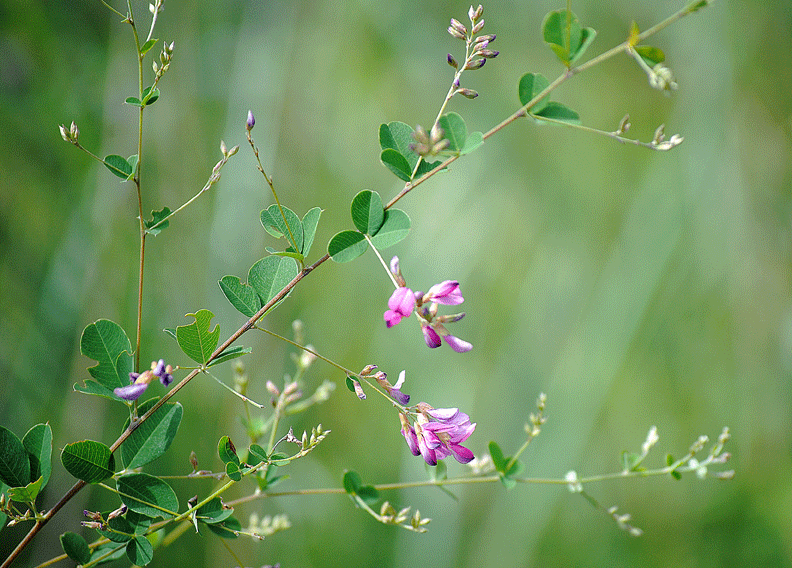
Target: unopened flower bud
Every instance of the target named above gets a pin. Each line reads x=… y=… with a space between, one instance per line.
x=457 y=25
x=452 y=62
x=436 y=134
x=64 y=133
x=487 y=53
x=467 y=93
x=475 y=14
x=367 y=370
x=223 y=149
x=251 y=121
x=624 y=125
x=477 y=64
x=477 y=27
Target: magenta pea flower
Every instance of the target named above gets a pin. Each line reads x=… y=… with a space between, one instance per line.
x=393 y=390
x=438 y=433
x=140 y=381
x=400 y=305
x=403 y=301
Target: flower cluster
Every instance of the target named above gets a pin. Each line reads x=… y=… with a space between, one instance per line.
x=140 y=381
x=404 y=301
x=437 y=433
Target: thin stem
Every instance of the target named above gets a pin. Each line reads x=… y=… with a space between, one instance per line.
x=382 y=261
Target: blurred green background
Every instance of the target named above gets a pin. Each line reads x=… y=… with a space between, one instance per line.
x=635 y=288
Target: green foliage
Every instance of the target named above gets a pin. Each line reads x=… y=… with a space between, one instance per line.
x=150 y=96
x=273 y=222
x=455 y=131
x=270 y=275
x=38 y=445
x=75 y=547
x=147 y=495
x=153 y=437
x=651 y=55
x=531 y=84
x=395 y=139
x=563 y=33
x=156 y=218
x=213 y=512
x=14 y=460
x=88 y=460
x=227 y=528
x=120 y=166
x=242 y=296
x=354 y=487
x=227 y=451
x=26 y=494
x=631 y=461
x=367 y=212
x=144 y=49
x=557 y=111
x=195 y=339
x=346 y=246
x=106 y=343
x=139 y=551
x=394 y=229
x=502 y=466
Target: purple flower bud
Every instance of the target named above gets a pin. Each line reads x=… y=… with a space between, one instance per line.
x=431 y=337
x=446 y=293
x=251 y=120
x=452 y=62
x=131 y=392
x=458 y=345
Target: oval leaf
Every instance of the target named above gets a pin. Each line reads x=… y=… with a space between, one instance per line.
x=367 y=212
x=562 y=113
x=531 y=84
x=396 y=163
x=394 y=229
x=242 y=296
x=118 y=165
x=75 y=547
x=106 y=343
x=455 y=131
x=273 y=222
x=38 y=445
x=139 y=551
x=270 y=275
x=346 y=246
x=153 y=437
x=147 y=495
x=309 y=223
x=88 y=460
x=195 y=339
x=14 y=460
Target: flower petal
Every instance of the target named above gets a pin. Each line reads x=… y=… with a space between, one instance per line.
x=446 y=293
x=430 y=337
x=131 y=392
x=458 y=345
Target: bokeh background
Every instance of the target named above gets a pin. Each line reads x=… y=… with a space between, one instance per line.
x=635 y=288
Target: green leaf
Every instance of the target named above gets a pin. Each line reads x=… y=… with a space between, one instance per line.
x=139 y=551
x=148 y=45
x=110 y=549
x=396 y=163
x=134 y=101
x=651 y=55
x=231 y=353
x=368 y=493
x=258 y=452
x=122 y=530
x=106 y=343
x=273 y=223
x=156 y=217
x=497 y=456
x=676 y=475
x=346 y=246
x=213 y=512
x=557 y=111
x=226 y=529
x=14 y=460
x=133 y=162
x=147 y=495
x=195 y=339
x=118 y=165
x=26 y=494
x=352 y=482
x=669 y=459
x=233 y=471
x=153 y=437
x=309 y=222
x=242 y=296
x=75 y=547
x=367 y=212
x=227 y=451
x=150 y=96
x=270 y=275
x=38 y=445
x=88 y=460
x=531 y=84
x=699 y=6
x=398 y=136
x=394 y=229
x=474 y=140
x=455 y=131
x=564 y=35
x=92 y=387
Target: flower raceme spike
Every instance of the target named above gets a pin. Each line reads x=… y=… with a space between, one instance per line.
x=438 y=433
x=140 y=381
x=403 y=301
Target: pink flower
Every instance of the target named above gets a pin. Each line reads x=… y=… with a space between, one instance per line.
x=401 y=305
x=140 y=381
x=439 y=433
x=446 y=293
